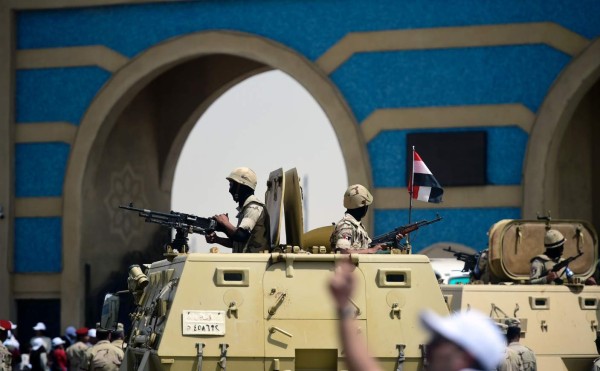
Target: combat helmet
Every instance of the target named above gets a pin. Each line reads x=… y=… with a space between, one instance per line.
x=357 y=196
x=243 y=175
x=553 y=239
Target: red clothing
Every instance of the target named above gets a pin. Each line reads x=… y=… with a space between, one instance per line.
x=59 y=359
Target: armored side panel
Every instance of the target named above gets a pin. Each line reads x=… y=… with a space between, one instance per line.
x=274 y=202
x=513 y=243
x=318 y=237
x=558 y=323
x=274 y=312
x=294 y=220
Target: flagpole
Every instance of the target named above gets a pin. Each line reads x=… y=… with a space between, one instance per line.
x=411 y=190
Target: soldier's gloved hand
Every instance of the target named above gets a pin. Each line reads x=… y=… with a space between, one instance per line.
x=551 y=276
x=211 y=238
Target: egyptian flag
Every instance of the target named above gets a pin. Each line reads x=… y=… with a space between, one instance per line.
x=426 y=187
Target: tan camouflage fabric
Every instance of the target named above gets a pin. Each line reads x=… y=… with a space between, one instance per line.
x=540 y=266
x=76 y=355
x=5 y=359
x=526 y=355
x=349 y=234
x=104 y=357
x=118 y=343
x=253 y=217
x=511 y=361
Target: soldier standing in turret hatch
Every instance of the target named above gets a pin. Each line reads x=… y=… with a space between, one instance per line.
x=541 y=265
x=251 y=234
x=349 y=235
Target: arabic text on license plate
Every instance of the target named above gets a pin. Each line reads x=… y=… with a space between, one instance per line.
x=203 y=322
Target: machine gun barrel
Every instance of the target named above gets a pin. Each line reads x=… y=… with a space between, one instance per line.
x=188 y=222
x=470 y=260
x=390 y=237
x=565 y=263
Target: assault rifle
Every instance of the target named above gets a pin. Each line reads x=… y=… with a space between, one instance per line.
x=182 y=223
x=390 y=239
x=565 y=263
x=470 y=260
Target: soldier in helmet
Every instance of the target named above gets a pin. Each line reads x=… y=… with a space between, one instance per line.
x=349 y=235
x=541 y=265
x=251 y=234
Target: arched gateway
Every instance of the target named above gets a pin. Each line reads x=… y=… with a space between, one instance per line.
x=131 y=136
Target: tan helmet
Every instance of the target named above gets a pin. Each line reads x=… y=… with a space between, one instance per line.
x=357 y=196
x=243 y=175
x=553 y=239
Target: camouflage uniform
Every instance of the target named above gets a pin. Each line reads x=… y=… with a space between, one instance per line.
x=349 y=234
x=118 y=343
x=76 y=355
x=104 y=356
x=541 y=265
x=526 y=356
x=511 y=361
x=253 y=217
x=5 y=359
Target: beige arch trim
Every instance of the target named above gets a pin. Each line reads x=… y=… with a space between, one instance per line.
x=26 y=207
x=554 y=115
x=45 y=132
x=454 y=197
x=166 y=178
x=94 y=55
x=131 y=78
x=548 y=33
x=445 y=117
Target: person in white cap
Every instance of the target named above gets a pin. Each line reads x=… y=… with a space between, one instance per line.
x=57 y=358
x=461 y=341
x=38 y=357
x=252 y=232
x=541 y=265
x=349 y=235
x=40 y=332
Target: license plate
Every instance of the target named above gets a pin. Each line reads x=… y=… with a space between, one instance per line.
x=203 y=322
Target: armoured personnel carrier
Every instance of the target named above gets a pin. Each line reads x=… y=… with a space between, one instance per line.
x=558 y=322
x=273 y=311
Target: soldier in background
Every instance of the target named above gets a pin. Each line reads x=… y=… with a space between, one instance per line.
x=104 y=356
x=349 y=235
x=118 y=335
x=5 y=354
x=526 y=355
x=251 y=234
x=76 y=353
x=541 y=265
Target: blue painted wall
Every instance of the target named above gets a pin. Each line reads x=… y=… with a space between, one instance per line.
x=368 y=81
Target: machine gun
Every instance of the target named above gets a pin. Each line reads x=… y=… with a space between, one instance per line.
x=390 y=239
x=470 y=260
x=182 y=223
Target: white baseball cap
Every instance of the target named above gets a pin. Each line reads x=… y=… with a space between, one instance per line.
x=92 y=333
x=477 y=334
x=57 y=341
x=40 y=326
x=37 y=343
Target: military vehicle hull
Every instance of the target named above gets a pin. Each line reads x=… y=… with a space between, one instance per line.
x=274 y=312
x=558 y=322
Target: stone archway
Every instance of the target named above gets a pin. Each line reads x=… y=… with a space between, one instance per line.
x=543 y=179
x=143 y=115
